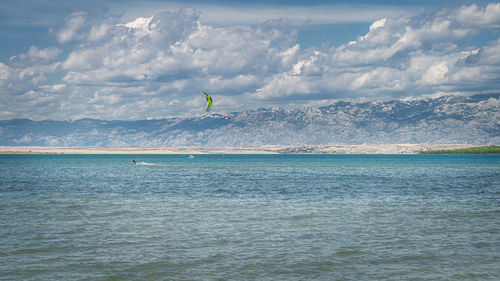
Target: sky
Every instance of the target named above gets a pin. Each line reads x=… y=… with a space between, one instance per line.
x=133 y=60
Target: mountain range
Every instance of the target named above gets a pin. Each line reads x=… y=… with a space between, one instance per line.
x=443 y=120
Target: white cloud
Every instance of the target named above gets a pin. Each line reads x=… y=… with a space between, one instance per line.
x=154 y=67
x=139 y=23
x=4 y=76
x=35 y=56
x=176 y=46
x=436 y=74
x=72 y=25
x=490 y=54
x=378 y=23
x=26 y=72
x=43 y=55
x=99 y=32
x=409 y=55
x=474 y=15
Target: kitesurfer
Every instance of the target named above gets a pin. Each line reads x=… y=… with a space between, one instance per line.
x=133 y=160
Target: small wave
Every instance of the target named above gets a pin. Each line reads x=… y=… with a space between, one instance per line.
x=73 y=206
x=347 y=252
x=302 y=217
x=145 y=164
x=30 y=251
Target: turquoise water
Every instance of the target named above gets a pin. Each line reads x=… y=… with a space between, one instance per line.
x=250 y=217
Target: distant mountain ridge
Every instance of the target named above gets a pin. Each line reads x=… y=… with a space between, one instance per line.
x=448 y=119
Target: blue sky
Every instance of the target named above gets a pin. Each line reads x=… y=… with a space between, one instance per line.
x=150 y=59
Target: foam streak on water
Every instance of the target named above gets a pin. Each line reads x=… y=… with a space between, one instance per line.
x=250 y=217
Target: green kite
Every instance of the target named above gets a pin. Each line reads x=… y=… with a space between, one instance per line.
x=209 y=102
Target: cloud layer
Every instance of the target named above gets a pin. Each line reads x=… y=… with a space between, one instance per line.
x=155 y=67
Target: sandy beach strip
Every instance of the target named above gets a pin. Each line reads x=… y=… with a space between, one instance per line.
x=267 y=149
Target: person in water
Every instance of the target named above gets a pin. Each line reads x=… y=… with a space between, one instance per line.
x=133 y=160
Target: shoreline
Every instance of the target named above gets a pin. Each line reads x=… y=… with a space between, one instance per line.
x=266 y=149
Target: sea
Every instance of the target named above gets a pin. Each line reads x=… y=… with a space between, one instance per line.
x=250 y=217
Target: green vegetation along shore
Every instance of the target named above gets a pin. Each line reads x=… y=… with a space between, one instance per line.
x=492 y=149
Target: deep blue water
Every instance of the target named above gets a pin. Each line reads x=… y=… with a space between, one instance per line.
x=250 y=217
